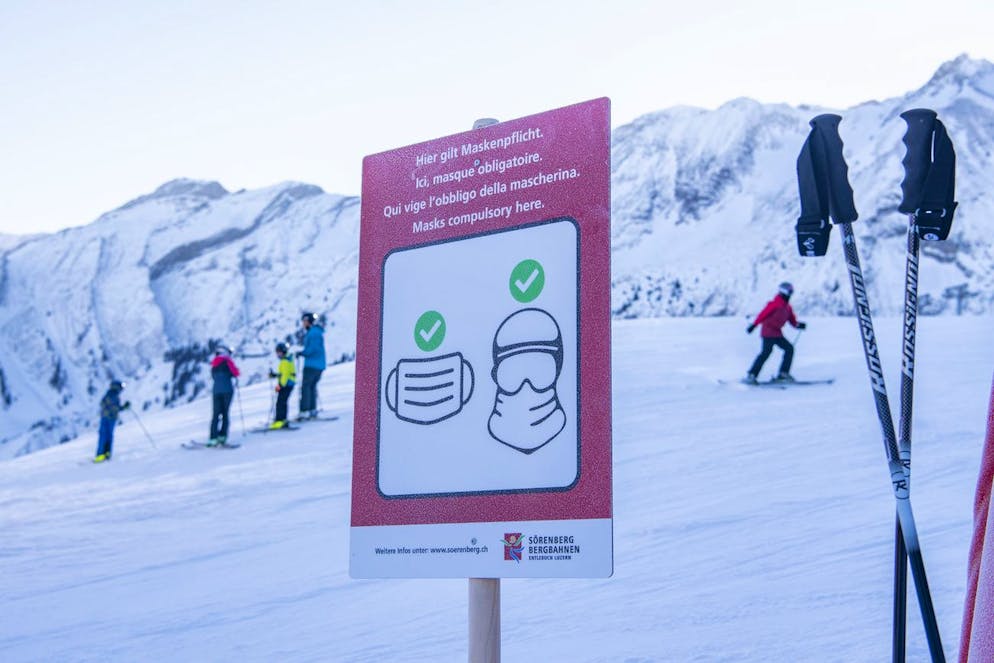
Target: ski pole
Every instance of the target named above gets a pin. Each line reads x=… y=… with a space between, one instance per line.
x=298 y=368
x=899 y=479
x=915 y=163
x=144 y=430
x=241 y=413
x=900 y=618
x=822 y=176
x=929 y=194
x=272 y=401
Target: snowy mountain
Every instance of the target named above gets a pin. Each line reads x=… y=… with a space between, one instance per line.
x=8 y=242
x=704 y=204
x=142 y=293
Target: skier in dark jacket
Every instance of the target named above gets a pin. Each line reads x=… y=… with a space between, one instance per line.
x=773 y=317
x=314 y=365
x=110 y=407
x=224 y=373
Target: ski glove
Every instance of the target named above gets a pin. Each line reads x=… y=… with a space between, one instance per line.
x=750 y=328
x=273 y=374
x=126 y=405
x=802 y=325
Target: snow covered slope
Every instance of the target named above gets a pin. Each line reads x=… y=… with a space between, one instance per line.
x=704 y=204
x=751 y=525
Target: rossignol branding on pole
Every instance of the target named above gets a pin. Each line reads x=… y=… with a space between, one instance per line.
x=482 y=444
x=866 y=328
x=910 y=312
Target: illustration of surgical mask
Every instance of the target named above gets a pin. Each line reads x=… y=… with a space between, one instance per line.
x=527 y=419
x=426 y=391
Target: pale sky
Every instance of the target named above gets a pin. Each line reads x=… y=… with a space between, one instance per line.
x=102 y=101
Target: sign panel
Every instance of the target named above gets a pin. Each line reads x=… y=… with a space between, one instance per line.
x=482 y=443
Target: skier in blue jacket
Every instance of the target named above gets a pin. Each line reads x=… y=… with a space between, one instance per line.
x=110 y=407
x=314 y=365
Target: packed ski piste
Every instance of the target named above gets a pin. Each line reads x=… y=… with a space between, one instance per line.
x=754 y=524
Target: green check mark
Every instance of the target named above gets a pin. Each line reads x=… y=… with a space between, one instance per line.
x=429 y=331
x=527 y=281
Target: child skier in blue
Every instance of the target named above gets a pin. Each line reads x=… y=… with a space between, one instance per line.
x=110 y=407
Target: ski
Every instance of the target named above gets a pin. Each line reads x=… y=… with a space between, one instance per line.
x=778 y=384
x=267 y=429
x=823 y=182
x=319 y=418
x=193 y=444
x=745 y=385
x=802 y=383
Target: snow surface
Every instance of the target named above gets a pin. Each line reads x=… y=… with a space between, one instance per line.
x=750 y=524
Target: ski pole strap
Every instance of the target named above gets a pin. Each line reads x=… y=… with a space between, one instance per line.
x=813 y=228
x=812 y=236
x=840 y=195
x=823 y=184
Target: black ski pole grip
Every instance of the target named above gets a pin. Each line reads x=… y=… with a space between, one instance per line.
x=840 y=193
x=917 y=156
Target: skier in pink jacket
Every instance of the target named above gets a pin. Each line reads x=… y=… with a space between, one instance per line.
x=773 y=317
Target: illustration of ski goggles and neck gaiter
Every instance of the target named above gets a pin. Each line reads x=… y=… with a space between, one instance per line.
x=527 y=361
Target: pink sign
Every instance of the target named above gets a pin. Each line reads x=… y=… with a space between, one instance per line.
x=482 y=396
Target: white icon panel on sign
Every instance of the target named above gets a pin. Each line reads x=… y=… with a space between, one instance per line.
x=510 y=304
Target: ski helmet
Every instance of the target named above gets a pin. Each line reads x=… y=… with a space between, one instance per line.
x=785 y=289
x=116 y=385
x=309 y=317
x=222 y=349
x=281 y=348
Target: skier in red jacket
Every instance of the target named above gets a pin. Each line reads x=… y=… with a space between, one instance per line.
x=773 y=317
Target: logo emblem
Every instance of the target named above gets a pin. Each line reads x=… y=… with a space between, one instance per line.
x=513 y=546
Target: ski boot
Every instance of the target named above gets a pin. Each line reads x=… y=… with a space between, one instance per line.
x=784 y=377
x=214 y=441
x=276 y=425
x=750 y=379
x=101 y=458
